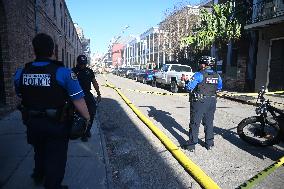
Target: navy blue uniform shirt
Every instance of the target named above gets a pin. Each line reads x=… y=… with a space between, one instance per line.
x=64 y=76
x=198 y=78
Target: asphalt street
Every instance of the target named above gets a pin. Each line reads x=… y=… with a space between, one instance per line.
x=139 y=160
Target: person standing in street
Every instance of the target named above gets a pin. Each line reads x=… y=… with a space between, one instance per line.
x=87 y=78
x=202 y=88
x=44 y=87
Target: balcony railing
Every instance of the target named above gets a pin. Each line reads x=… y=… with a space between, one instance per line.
x=265 y=10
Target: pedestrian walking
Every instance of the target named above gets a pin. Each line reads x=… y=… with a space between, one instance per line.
x=44 y=86
x=87 y=78
x=203 y=87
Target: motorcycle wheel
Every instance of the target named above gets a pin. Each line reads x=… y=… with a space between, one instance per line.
x=250 y=130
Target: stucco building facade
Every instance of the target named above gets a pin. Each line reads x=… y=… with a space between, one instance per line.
x=267 y=21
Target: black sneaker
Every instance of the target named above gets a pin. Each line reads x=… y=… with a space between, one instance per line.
x=209 y=147
x=84 y=139
x=191 y=148
x=38 y=178
x=64 y=187
x=88 y=134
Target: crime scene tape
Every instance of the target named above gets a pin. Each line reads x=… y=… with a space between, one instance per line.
x=234 y=97
x=153 y=92
x=261 y=175
x=199 y=176
x=224 y=94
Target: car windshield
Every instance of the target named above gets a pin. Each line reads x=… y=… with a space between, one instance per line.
x=179 y=68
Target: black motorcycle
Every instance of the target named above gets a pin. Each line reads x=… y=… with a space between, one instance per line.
x=265 y=129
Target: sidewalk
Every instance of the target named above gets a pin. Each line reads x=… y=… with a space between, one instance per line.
x=87 y=165
x=277 y=100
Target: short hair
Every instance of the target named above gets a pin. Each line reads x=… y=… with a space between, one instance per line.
x=43 y=45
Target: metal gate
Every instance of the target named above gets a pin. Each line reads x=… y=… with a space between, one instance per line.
x=276 y=66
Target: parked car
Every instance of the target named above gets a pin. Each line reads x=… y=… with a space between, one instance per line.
x=133 y=74
x=173 y=75
x=123 y=72
x=128 y=71
x=146 y=77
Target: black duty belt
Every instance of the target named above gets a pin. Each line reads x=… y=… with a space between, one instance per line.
x=49 y=113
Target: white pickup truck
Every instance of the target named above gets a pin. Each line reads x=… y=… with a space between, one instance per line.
x=173 y=75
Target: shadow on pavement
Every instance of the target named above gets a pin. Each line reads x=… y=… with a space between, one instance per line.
x=168 y=123
x=135 y=162
x=16 y=159
x=270 y=152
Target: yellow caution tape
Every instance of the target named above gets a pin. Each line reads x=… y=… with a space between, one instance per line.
x=249 y=94
x=261 y=175
x=220 y=94
x=200 y=177
x=154 y=92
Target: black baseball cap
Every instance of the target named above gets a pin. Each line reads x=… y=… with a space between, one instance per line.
x=82 y=59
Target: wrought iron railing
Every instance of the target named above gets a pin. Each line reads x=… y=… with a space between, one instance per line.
x=265 y=10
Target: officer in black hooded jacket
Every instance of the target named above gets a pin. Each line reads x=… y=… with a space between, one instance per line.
x=86 y=79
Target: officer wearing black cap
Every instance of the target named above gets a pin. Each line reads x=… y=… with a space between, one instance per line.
x=44 y=87
x=203 y=87
x=86 y=78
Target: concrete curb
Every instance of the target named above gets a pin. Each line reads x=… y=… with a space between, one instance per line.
x=109 y=181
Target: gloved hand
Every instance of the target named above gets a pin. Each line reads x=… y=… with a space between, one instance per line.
x=99 y=98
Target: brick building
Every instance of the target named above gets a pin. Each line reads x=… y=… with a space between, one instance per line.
x=117 y=54
x=20 y=20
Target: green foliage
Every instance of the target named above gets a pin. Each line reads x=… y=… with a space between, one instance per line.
x=219 y=26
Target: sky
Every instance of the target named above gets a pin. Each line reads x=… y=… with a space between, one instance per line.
x=102 y=20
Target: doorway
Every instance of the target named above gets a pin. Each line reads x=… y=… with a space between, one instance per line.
x=276 y=67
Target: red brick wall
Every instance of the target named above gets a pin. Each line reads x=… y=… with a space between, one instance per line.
x=116 y=54
x=19 y=22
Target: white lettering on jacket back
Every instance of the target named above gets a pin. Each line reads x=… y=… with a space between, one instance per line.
x=42 y=80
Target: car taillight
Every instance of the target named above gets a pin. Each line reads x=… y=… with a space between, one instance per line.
x=184 y=77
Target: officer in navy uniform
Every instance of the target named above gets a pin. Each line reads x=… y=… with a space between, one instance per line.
x=203 y=87
x=44 y=86
x=87 y=78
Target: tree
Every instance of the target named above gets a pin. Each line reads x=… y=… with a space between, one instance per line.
x=216 y=27
x=177 y=25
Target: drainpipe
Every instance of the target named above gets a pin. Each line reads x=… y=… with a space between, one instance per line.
x=35 y=11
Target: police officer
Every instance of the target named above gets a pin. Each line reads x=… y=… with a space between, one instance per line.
x=44 y=85
x=87 y=78
x=203 y=87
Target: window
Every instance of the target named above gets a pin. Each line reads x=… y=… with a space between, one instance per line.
x=56 y=51
x=65 y=23
x=69 y=29
x=54 y=8
x=179 y=68
x=234 y=58
x=70 y=60
x=62 y=56
x=67 y=61
x=61 y=12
